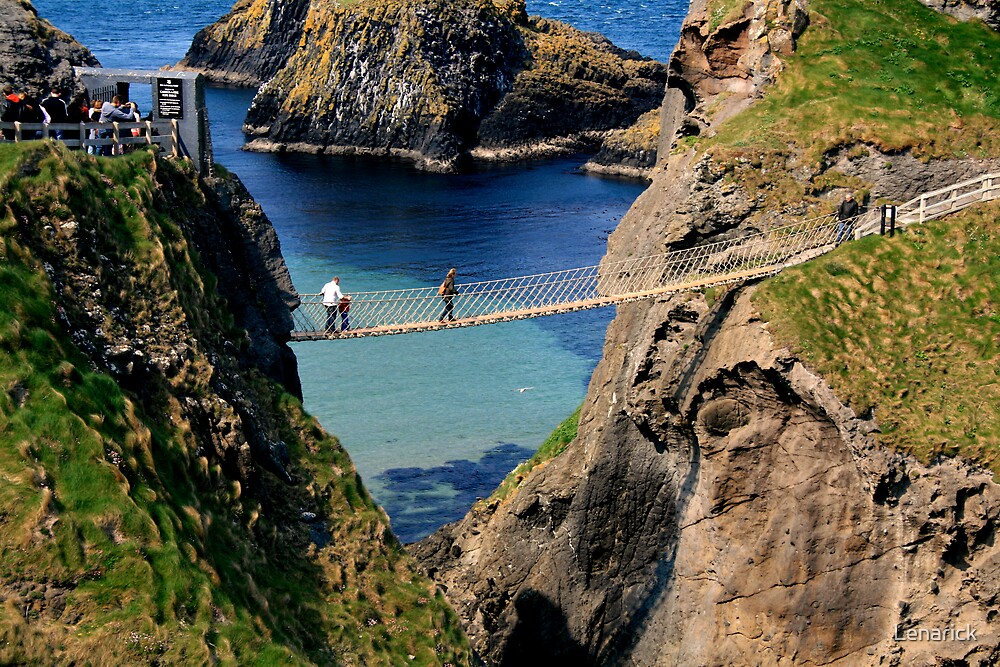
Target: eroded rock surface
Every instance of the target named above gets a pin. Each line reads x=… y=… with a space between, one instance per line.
x=722 y=507
x=986 y=11
x=34 y=54
x=250 y=44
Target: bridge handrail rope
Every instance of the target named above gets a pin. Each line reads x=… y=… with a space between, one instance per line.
x=719 y=262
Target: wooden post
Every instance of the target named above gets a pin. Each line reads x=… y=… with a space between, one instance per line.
x=17 y=131
x=114 y=137
x=83 y=136
x=175 y=138
x=923 y=207
x=149 y=133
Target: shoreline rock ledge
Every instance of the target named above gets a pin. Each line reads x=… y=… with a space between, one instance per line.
x=436 y=82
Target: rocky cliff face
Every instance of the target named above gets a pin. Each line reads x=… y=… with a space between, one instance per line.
x=250 y=44
x=720 y=506
x=428 y=80
x=34 y=54
x=167 y=498
x=986 y=11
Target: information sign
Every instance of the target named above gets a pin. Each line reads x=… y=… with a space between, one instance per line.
x=169 y=98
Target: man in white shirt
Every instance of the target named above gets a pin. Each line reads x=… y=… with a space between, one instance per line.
x=331 y=299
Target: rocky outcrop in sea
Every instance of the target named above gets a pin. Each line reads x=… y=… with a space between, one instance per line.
x=432 y=81
x=250 y=44
x=34 y=54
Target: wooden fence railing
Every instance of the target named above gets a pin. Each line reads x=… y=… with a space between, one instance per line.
x=939 y=203
x=162 y=133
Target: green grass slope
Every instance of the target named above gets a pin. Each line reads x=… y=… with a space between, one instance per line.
x=892 y=74
x=908 y=327
x=121 y=540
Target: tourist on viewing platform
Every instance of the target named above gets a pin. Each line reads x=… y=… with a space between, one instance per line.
x=447 y=291
x=95 y=116
x=845 y=215
x=30 y=113
x=55 y=106
x=112 y=112
x=77 y=112
x=332 y=296
x=11 y=104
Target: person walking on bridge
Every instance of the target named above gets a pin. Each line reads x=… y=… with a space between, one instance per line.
x=447 y=291
x=332 y=296
x=845 y=215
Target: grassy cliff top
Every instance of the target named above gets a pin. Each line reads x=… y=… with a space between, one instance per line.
x=123 y=533
x=908 y=327
x=893 y=74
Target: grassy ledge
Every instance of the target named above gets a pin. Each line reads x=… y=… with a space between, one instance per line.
x=553 y=446
x=908 y=327
x=893 y=75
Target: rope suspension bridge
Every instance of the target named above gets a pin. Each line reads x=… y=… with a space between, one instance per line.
x=709 y=265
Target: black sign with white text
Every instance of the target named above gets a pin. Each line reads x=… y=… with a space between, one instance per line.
x=169 y=98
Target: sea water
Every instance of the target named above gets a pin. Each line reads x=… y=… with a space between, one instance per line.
x=432 y=420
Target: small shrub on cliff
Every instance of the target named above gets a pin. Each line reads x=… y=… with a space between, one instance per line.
x=553 y=446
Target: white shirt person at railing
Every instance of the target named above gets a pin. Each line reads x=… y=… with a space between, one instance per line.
x=332 y=296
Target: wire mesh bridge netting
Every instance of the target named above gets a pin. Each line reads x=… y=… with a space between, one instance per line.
x=718 y=263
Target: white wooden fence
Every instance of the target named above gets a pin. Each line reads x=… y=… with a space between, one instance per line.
x=939 y=203
x=162 y=133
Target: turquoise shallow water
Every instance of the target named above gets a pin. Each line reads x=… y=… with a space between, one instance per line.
x=432 y=420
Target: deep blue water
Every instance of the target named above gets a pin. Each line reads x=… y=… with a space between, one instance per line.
x=432 y=420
